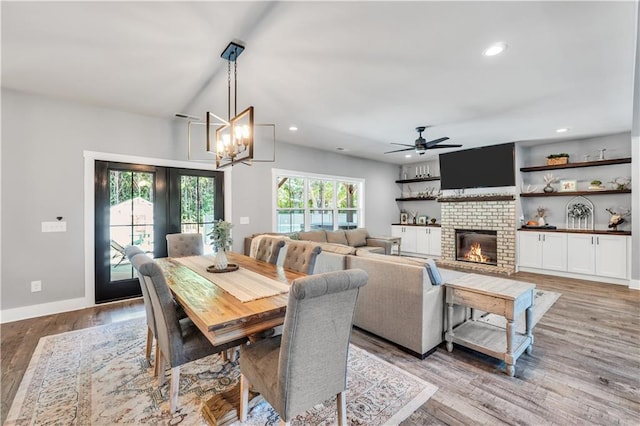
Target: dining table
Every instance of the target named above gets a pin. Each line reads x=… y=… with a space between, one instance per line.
x=220 y=315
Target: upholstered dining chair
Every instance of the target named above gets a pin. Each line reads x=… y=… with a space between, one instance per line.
x=179 y=340
x=181 y=245
x=269 y=248
x=307 y=364
x=301 y=256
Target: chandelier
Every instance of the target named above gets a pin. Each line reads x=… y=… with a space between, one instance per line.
x=232 y=141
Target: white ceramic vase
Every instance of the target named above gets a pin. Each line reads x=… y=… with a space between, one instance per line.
x=220 y=261
x=541 y=221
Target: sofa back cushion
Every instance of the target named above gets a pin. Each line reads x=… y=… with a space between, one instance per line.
x=315 y=236
x=357 y=237
x=337 y=237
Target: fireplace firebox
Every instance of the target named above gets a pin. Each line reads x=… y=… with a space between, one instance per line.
x=477 y=246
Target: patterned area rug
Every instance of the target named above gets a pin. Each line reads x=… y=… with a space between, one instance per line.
x=541 y=304
x=99 y=376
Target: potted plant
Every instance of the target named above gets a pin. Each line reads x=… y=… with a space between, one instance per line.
x=221 y=239
x=595 y=185
x=553 y=159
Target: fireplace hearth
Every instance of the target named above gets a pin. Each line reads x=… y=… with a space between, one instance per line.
x=477 y=246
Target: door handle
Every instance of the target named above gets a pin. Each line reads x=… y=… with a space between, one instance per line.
x=597 y=240
x=591 y=240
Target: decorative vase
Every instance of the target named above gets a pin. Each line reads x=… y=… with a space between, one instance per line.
x=541 y=221
x=548 y=188
x=414 y=220
x=220 y=261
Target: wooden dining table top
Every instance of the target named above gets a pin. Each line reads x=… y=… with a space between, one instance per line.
x=219 y=315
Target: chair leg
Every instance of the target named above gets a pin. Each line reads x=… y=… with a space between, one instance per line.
x=225 y=356
x=160 y=369
x=342 y=408
x=156 y=369
x=244 y=397
x=149 y=343
x=175 y=387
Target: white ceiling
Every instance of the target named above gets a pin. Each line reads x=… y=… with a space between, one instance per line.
x=355 y=75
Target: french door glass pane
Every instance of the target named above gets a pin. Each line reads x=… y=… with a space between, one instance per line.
x=197 y=205
x=131 y=220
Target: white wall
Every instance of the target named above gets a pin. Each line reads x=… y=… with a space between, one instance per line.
x=252 y=188
x=42 y=178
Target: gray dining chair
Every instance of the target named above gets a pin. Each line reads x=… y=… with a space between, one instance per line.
x=307 y=364
x=269 y=248
x=179 y=340
x=301 y=256
x=181 y=245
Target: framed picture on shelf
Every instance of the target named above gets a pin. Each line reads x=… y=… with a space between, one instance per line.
x=422 y=219
x=568 y=185
x=404 y=217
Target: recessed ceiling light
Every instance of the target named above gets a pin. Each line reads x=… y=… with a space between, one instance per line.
x=495 y=49
x=293 y=128
x=407 y=155
x=340 y=148
x=562 y=130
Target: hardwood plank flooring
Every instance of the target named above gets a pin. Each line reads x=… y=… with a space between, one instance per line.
x=585 y=366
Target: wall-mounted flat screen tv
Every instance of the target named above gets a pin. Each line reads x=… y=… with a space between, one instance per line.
x=484 y=167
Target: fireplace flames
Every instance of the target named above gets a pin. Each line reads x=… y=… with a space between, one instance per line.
x=475 y=254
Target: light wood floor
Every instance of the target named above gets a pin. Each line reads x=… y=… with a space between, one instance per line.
x=585 y=367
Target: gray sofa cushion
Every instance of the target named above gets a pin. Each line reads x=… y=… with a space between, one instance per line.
x=315 y=236
x=337 y=237
x=357 y=237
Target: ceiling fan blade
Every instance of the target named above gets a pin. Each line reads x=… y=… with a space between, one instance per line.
x=401 y=144
x=398 y=150
x=436 y=141
x=444 y=146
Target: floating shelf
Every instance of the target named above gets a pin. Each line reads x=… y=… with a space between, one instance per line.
x=577 y=165
x=426 y=179
x=579 y=231
x=476 y=198
x=575 y=193
x=416 y=199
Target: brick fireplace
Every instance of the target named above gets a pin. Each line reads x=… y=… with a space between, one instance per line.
x=475 y=220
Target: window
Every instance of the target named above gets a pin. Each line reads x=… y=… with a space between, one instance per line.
x=306 y=202
x=196 y=204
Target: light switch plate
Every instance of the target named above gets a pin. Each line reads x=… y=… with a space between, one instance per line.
x=59 y=226
x=244 y=220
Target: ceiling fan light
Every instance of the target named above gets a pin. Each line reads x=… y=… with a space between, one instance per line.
x=495 y=49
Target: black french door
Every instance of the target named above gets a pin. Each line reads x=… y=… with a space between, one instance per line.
x=139 y=204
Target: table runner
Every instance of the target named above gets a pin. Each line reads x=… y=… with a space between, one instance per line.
x=242 y=284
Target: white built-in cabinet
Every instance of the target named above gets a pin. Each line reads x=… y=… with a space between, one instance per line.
x=423 y=240
x=597 y=256
x=543 y=250
x=593 y=254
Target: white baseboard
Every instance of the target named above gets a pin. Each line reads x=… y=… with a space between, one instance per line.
x=24 y=312
x=606 y=280
x=634 y=284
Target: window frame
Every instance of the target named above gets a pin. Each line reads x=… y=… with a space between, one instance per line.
x=275 y=173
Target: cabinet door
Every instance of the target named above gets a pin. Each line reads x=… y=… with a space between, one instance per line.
x=422 y=241
x=435 y=244
x=581 y=253
x=409 y=239
x=611 y=256
x=554 y=251
x=530 y=249
x=396 y=231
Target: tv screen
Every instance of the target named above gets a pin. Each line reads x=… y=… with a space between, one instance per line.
x=484 y=167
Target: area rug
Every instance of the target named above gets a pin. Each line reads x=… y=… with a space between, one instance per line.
x=542 y=303
x=99 y=376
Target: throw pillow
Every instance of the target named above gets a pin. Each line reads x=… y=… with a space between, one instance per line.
x=357 y=237
x=315 y=236
x=434 y=273
x=337 y=237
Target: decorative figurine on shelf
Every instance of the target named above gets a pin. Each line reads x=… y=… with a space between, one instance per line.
x=621 y=183
x=617 y=219
x=602 y=153
x=433 y=220
x=541 y=213
x=549 y=179
x=596 y=185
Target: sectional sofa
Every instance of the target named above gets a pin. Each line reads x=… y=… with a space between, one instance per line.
x=400 y=302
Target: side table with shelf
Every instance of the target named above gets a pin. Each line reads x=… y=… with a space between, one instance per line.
x=498 y=296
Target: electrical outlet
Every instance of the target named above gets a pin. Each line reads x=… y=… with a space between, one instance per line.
x=36 y=286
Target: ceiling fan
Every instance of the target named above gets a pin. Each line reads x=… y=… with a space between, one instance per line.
x=421 y=145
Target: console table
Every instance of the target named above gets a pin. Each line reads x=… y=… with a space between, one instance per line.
x=499 y=296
